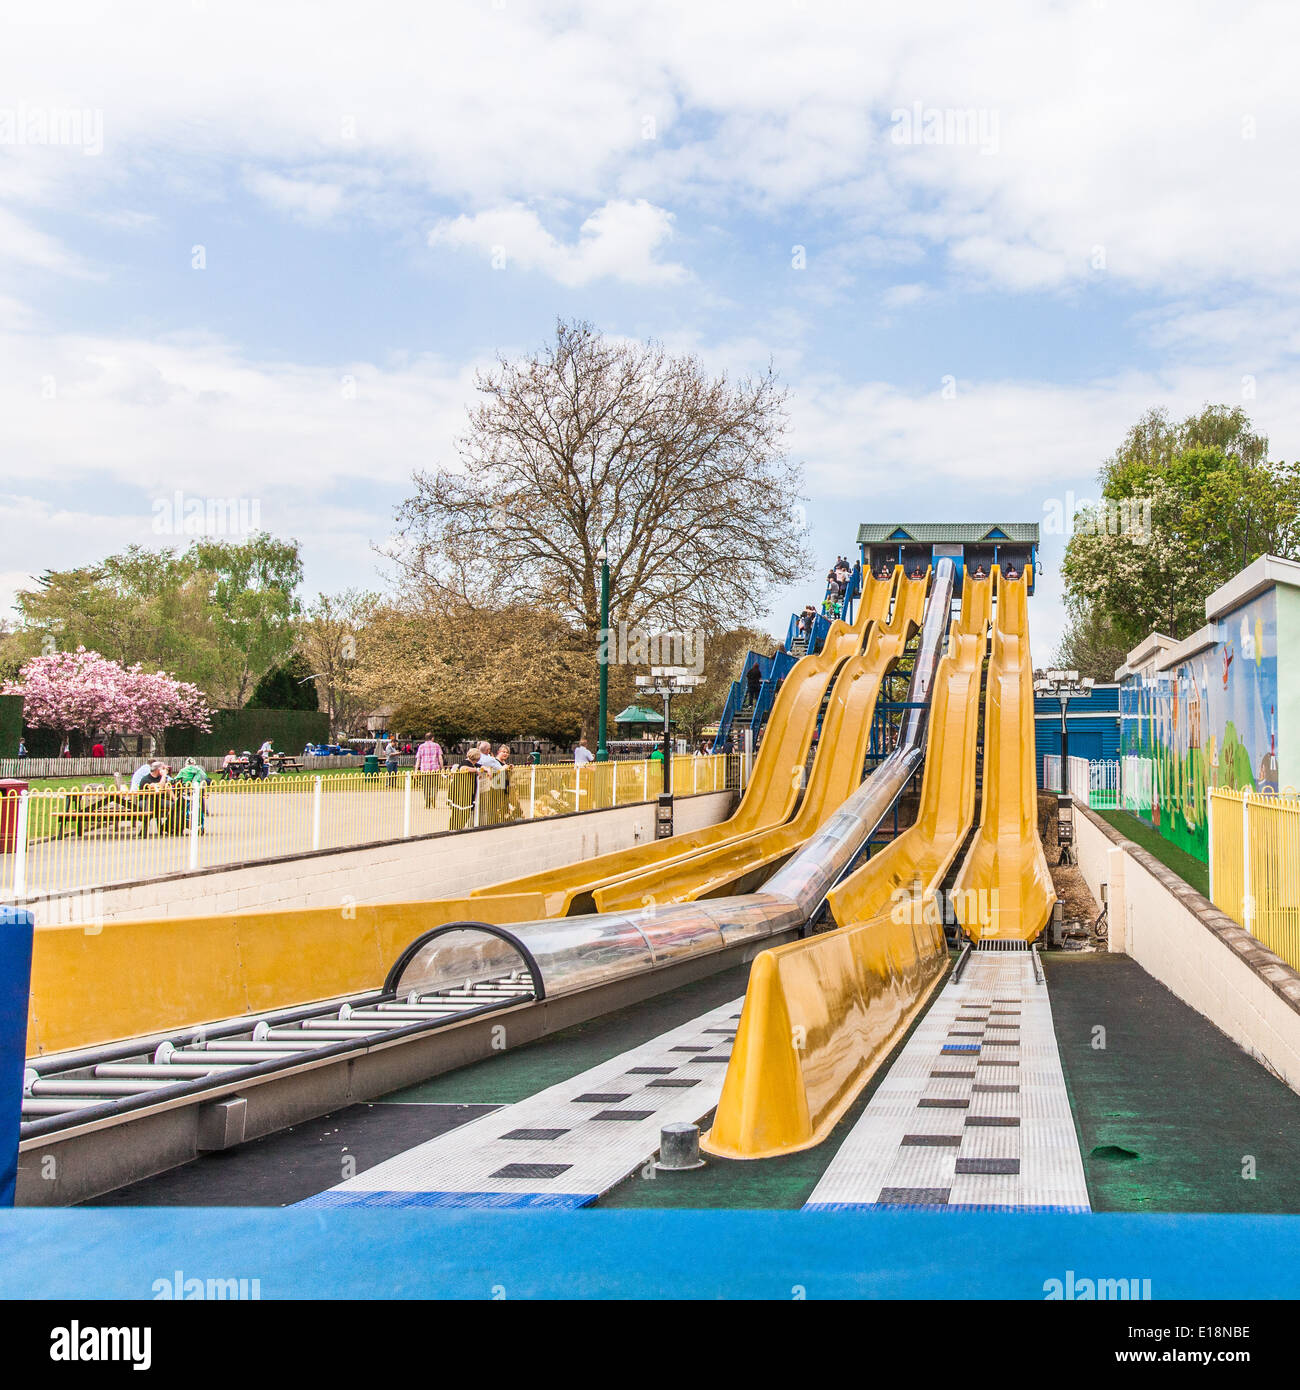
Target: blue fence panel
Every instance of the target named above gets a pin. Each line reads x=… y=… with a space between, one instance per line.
x=15 y=988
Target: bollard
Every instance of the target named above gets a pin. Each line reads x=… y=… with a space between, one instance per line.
x=679 y=1148
x=15 y=987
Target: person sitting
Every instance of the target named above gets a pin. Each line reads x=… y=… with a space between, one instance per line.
x=228 y=764
x=1011 y=571
x=916 y=571
x=146 y=775
x=980 y=572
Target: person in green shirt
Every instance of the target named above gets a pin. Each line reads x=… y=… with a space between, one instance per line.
x=189 y=775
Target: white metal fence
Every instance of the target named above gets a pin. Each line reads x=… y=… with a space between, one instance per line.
x=71 y=838
x=1095 y=782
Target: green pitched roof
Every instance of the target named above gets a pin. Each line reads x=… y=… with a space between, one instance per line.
x=939 y=532
x=638 y=714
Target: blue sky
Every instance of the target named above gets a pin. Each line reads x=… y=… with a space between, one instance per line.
x=1095 y=214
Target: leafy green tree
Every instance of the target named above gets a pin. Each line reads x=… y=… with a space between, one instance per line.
x=1184 y=507
x=252 y=587
x=218 y=614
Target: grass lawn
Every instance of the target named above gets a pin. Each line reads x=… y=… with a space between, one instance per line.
x=1190 y=870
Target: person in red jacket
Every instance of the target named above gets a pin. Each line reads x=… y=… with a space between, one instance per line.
x=97 y=751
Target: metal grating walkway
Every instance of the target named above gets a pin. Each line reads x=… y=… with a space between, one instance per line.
x=974 y=1114
x=567 y=1144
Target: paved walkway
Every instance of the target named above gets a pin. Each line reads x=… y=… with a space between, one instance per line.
x=974 y=1113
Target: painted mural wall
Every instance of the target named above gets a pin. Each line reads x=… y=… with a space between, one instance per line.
x=1210 y=722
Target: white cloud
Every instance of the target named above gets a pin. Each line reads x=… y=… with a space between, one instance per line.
x=309 y=199
x=1168 y=145
x=620 y=241
x=903 y=296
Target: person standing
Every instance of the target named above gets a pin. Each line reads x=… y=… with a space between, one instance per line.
x=428 y=762
x=463 y=790
x=582 y=755
x=754 y=682
x=390 y=758
x=190 y=776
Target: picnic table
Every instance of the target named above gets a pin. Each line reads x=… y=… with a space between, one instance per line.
x=286 y=762
x=109 y=809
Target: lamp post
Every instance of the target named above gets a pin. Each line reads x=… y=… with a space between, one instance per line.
x=1064 y=684
x=602 y=718
x=668 y=681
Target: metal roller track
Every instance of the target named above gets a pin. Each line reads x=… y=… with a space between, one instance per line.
x=112 y=1081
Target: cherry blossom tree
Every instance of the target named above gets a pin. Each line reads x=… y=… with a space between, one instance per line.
x=86 y=693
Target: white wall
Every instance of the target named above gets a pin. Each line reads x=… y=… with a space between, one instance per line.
x=445 y=865
x=1198 y=952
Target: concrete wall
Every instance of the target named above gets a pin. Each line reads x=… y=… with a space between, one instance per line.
x=445 y=865
x=1192 y=948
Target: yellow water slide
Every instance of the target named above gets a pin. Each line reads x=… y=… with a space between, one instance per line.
x=774 y=787
x=740 y=863
x=908 y=873
x=1004 y=888
x=820 y=1015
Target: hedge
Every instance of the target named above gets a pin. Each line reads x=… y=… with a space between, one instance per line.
x=290 y=730
x=11 y=725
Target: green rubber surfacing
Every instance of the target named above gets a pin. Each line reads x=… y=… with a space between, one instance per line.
x=1169 y=1111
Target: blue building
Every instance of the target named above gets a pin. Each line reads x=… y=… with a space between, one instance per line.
x=1093 y=721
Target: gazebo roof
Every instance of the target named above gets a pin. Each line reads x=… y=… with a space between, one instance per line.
x=638 y=714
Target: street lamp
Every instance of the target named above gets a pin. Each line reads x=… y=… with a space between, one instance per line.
x=602 y=718
x=1062 y=685
x=668 y=681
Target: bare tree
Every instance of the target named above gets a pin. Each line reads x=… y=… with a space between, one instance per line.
x=686 y=475
x=328 y=636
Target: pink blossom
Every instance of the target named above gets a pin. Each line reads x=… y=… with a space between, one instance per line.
x=86 y=691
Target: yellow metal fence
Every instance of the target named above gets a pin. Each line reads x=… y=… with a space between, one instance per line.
x=96 y=834
x=1255 y=866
